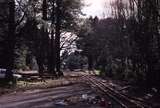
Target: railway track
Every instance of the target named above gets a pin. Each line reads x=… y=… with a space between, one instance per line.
x=123 y=100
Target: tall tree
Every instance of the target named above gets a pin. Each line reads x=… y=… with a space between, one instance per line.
x=3 y=31
x=10 y=42
x=52 y=43
x=57 y=35
x=11 y=33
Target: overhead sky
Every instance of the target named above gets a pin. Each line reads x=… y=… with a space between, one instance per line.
x=96 y=7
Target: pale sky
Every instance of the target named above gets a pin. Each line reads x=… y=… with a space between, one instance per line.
x=96 y=7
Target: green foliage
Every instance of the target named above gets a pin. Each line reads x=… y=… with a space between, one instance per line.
x=71 y=10
x=125 y=46
x=32 y=31
x=75 y=61
x=20 y=58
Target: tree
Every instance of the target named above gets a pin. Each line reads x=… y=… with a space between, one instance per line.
x=65 y=23
x=75 y=61
x=11 y=34
x=57 y=36
x=31 y=30
x=140 y=18
x=127 y=44
x=3 y=31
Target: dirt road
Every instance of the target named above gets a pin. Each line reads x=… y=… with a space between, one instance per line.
x=43 y=98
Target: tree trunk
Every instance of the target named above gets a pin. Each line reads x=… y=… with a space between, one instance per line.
x=44 y=9
x=52 y=43
x=11 y=34
x=57 y=36
x=40 y=66
x=52 y=56
x=90 y=62
x=10 y=39
x=41 y=56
